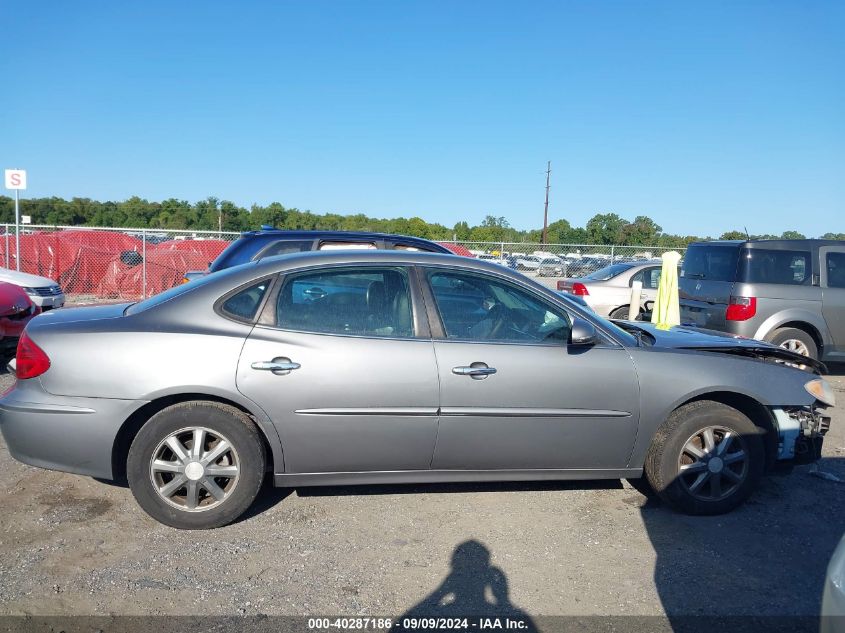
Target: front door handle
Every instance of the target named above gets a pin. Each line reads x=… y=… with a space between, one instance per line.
x=279 y=366
x=476 y=371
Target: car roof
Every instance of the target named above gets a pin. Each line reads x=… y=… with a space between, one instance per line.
x=338 y=235
x=776 y=244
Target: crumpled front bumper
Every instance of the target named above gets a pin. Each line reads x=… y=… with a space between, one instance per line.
x=801 y=432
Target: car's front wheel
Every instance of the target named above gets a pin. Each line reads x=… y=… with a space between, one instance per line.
x=707 y=458
x=196 y=465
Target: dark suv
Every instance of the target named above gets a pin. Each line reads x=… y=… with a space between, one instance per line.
x=271 y=241
x=787 y=292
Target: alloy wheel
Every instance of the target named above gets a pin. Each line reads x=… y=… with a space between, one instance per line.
x=795 y=345
x=713 y=463
x=194 y=469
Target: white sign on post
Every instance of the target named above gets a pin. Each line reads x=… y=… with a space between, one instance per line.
x=26 y=219
x=15 y=179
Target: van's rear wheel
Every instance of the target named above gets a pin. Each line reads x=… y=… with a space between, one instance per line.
x=707 y=458
x=795 y=340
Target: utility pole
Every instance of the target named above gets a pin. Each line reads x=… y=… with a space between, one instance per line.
x=546 y=209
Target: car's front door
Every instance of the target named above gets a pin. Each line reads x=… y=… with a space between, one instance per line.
x=339 y=363
x=833 y=295
x=513 y=393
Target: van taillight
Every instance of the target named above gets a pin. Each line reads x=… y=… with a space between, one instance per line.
x=30 y=360
x=579 y=289
x=741 y=308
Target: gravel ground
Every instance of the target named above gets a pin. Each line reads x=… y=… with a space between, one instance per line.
x=73 y=545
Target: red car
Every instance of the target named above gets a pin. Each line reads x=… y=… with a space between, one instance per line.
x=16 y=310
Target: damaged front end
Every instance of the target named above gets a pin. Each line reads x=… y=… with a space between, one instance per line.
x=801 y=432
x=769 y=353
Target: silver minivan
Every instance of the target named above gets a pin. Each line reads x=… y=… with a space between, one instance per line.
x=787 y=292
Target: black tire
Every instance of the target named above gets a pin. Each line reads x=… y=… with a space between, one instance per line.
x=680 y=433
x=784 y=334
x=620 y=313
x=219 y=422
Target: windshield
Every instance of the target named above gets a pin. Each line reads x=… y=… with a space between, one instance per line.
x=608 y=272
x=713 y=262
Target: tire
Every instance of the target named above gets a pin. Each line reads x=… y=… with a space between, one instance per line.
x=620 y=313
x=794 y=339
x=240 y=466
x=684 y=433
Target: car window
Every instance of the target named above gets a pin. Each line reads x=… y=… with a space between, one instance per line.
x=244 y=304
x=710 y=262
x=608 y=272
x=479 y=308
x=769 y=266
x=284 y=247
x=355 y=301
x=336 y=246
x=835 y=263
x=650 y=278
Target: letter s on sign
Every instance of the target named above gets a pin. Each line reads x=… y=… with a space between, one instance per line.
x=16 y=179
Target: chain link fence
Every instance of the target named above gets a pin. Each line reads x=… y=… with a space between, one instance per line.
x=120 y=264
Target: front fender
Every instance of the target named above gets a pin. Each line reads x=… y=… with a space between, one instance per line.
x=669 y=378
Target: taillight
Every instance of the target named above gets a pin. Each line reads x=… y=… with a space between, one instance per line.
x=741 y=308
x=30 y=360
x=579 y=289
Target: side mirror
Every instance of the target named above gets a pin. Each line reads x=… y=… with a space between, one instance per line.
x=583 y=333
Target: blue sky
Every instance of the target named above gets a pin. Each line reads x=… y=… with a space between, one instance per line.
x=705 y=116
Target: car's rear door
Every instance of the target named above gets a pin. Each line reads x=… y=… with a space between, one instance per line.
x=707 y=279
x=513 y=394
x=342 y=362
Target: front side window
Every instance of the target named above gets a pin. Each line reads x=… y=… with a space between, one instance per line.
x=478 y=308
x=835 y=263
x=351 y=301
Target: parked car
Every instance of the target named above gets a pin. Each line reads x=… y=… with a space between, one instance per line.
x=330 y=368
x=526 y=262
x=269 y=241
x=16 y=310
x=585 y=266
x=833 y=598
x=787 y=292
x=552 y=267
x=43 y=291
x=608 y=290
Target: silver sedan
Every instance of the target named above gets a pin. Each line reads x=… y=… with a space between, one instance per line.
x=370 y=367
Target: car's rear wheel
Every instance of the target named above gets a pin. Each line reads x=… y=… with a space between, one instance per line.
x=795 y=340
x=707 y=458
x=196 y=465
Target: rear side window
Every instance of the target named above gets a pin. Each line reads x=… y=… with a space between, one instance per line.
x=244 y=304
x=353 y=301
x=337 y=246
x=285 y=247
x=711 y=262
x=764 y=266
x=835 y=263
x=650 y=278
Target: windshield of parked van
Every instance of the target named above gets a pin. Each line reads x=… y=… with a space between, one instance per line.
x=608 y=272
x=712 y=262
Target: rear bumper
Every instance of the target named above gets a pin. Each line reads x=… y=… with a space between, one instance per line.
x=74 y=435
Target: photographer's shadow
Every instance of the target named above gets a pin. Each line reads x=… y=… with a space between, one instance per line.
x=472 y=589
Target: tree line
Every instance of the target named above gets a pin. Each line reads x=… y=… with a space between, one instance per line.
x=213 y=214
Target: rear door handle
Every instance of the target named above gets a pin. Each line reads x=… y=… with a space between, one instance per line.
x=477 y=371
x=279 y=366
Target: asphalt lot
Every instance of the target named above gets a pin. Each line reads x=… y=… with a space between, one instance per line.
x=73 y=545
